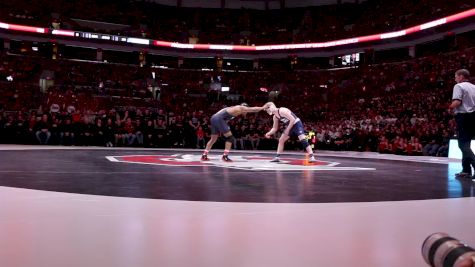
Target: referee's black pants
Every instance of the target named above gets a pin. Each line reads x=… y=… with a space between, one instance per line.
x=466 y=131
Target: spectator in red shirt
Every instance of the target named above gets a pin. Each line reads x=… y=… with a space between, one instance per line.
x=200 y=138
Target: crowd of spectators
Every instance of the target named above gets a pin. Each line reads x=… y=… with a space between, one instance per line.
x=236 y=26
x=398 y=108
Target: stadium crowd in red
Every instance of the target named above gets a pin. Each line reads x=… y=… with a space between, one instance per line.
x=391 y=108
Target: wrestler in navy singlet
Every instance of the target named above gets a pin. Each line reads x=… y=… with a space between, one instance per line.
x=297 y=129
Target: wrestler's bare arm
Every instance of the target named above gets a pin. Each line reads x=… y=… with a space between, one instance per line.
x=252 y=109
x=238 y=110
x=275 y=127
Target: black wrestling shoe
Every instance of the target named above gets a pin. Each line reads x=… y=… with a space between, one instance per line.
x=226 y=158
x=204 y=157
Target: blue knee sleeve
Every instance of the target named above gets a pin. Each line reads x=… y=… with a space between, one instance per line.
x=305 y=144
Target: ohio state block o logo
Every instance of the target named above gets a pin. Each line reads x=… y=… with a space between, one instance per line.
x=252 y=162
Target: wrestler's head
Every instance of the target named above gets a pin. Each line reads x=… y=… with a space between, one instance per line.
x=270 y=108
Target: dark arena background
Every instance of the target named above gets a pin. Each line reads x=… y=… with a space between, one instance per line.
x=105 y=112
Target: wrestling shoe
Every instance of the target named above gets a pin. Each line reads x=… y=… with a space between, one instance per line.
x=204 y=157
x=276 y=159
x=226 y=158
x=312 y=160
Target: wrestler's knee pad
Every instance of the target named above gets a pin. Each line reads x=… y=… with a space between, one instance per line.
x=229 y=139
